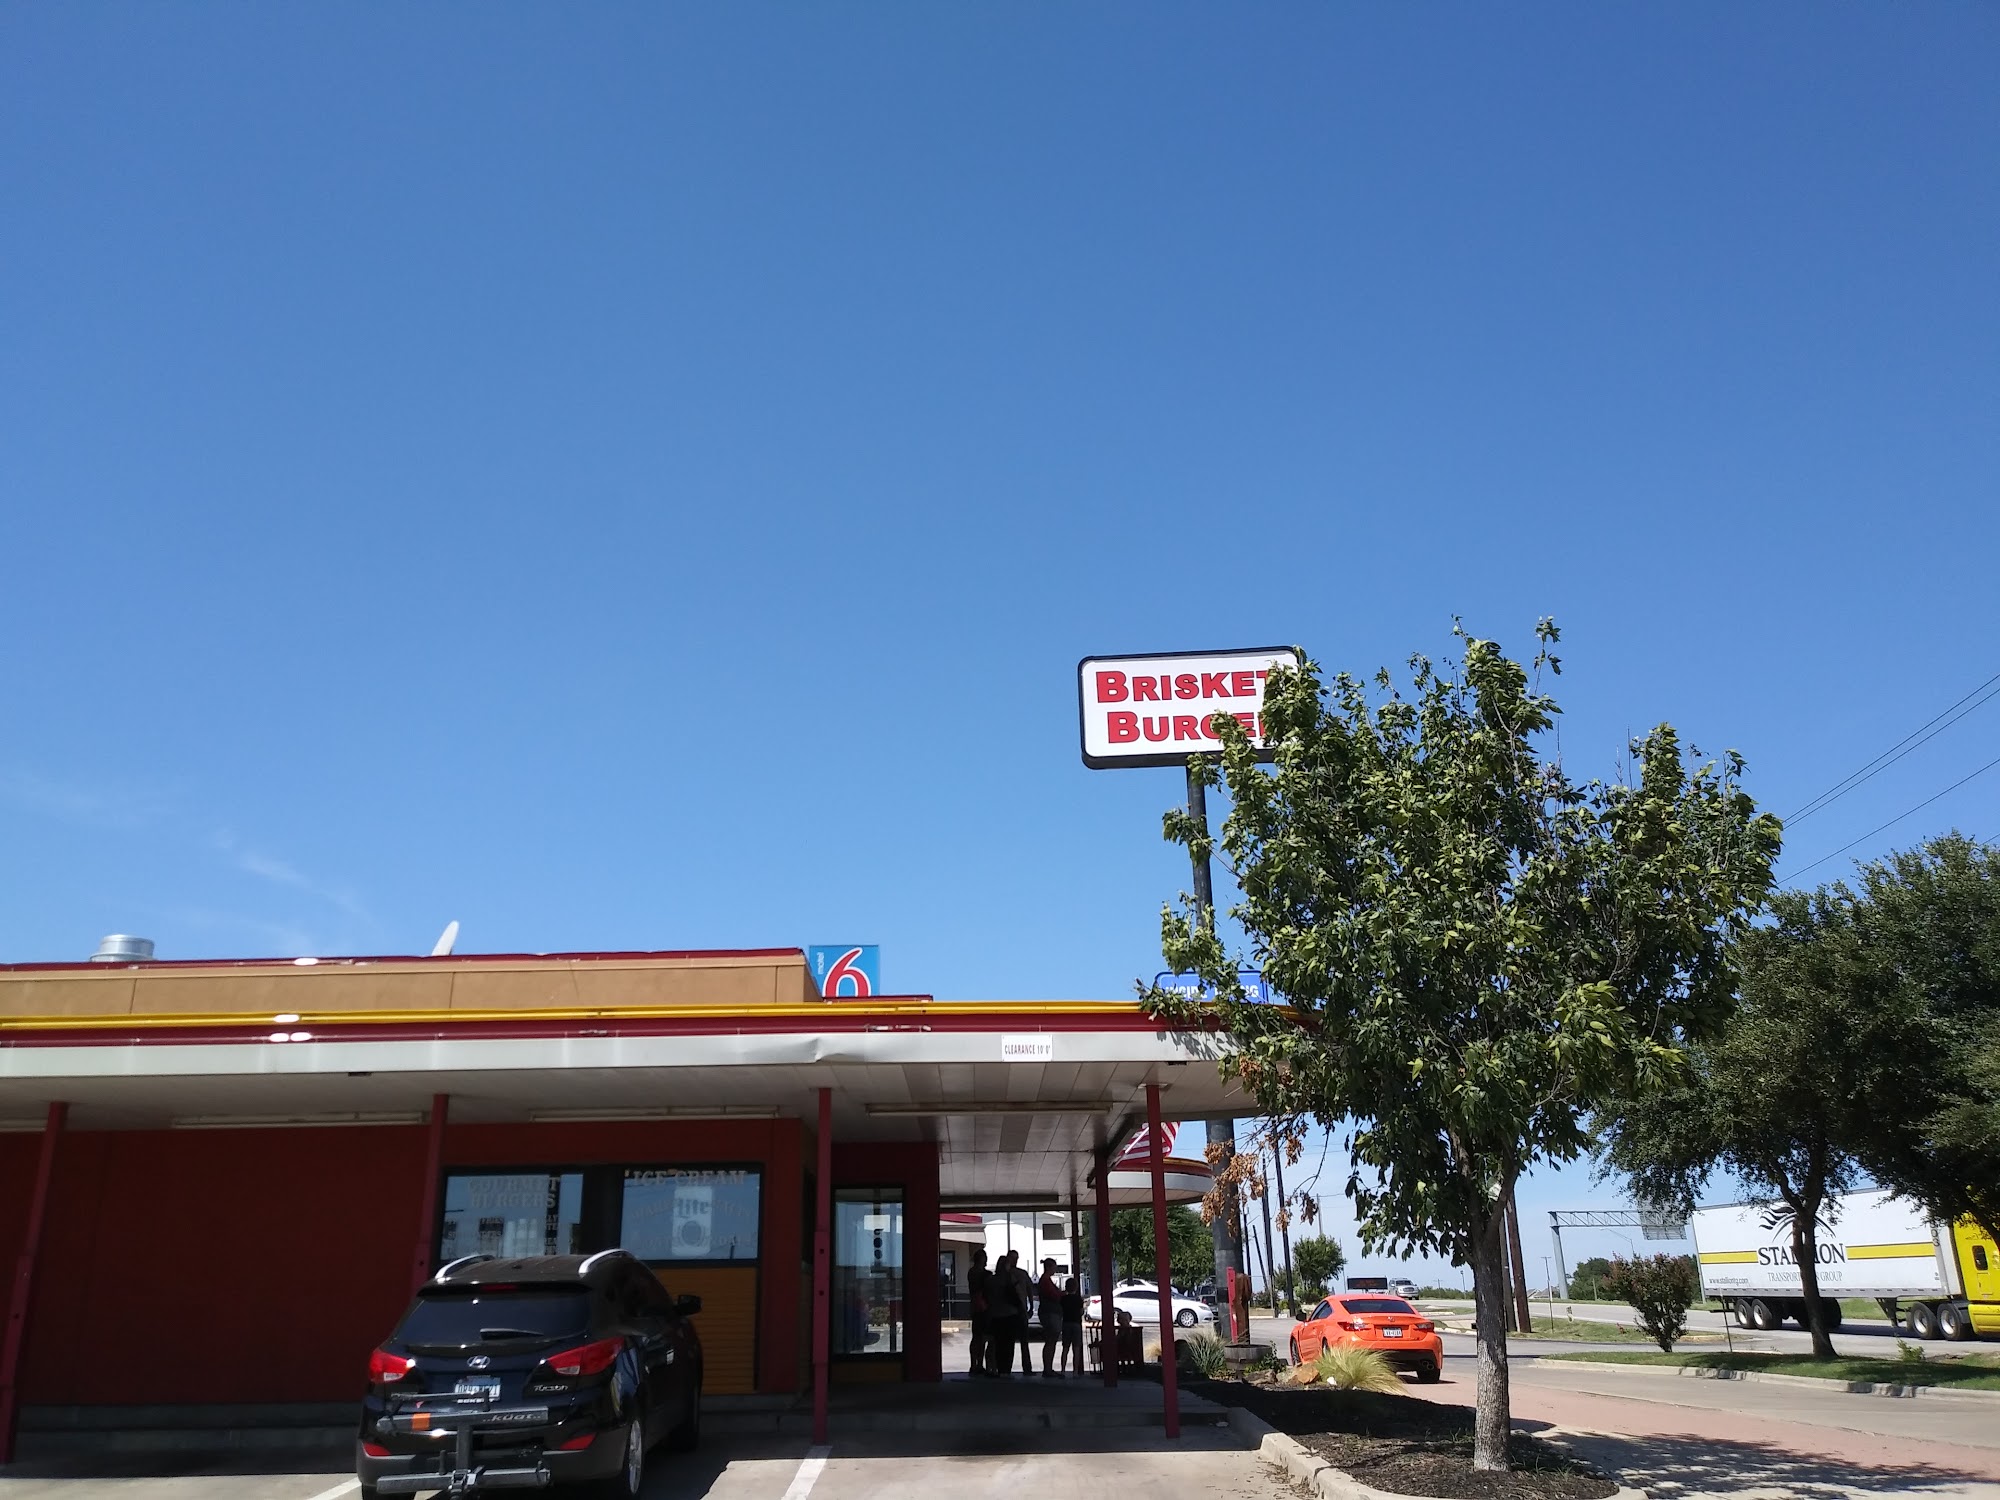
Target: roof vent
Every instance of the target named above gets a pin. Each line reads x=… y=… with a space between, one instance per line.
x=120 y=948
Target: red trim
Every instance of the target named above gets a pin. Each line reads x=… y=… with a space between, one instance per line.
x=609 y=956
x=573 y=1026
x=420 y=1262
x=1107 y=1320
x=822 y=1309
x=24 y=1280
x=1163 y=1268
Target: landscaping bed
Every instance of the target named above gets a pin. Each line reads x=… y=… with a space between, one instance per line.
x=1405 y=1445
x=1977 y=1372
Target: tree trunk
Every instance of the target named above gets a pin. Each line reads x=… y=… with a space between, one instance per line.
x=1805 y=1250
x=1489 y=1300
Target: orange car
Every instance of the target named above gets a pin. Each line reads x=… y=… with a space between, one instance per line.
x=1388 y=1325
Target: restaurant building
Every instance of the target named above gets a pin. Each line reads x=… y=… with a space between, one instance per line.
x=221 y=1181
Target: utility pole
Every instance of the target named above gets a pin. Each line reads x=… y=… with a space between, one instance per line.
x=1224 y=1229
x=1524 y=1318
x=1291 y=1281
x=1270 y=1252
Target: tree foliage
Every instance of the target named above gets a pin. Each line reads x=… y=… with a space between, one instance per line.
x=1929 y=927
x=1318 y=1261
x=1783 y=1095
x=1477 y=949
x=1190 y=1248
x=1586 y=1282
x=1661 y=1289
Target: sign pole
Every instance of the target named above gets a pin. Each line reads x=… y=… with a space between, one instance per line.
x=1228 y=1254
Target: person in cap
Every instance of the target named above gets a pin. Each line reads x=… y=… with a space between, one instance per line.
x=1048 y=1299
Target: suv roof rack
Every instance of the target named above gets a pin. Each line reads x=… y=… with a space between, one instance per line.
x=592 y=1260
x=463 y=1260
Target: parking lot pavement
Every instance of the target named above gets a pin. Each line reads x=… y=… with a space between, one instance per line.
x=1204 y=1462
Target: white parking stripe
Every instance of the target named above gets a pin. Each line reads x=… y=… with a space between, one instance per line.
x=337 y=1491
x=803 y=1481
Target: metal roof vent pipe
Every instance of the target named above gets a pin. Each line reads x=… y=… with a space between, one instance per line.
x=121 y=948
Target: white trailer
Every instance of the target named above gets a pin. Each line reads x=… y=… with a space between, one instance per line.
x=1869 y=1244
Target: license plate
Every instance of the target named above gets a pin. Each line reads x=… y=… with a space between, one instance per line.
x=1392 y=1333
x=478 y=1385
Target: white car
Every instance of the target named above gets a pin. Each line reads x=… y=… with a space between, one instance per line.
x=1405 y=1289
x=1141 y=1300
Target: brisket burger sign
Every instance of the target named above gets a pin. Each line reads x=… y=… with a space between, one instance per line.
x=1158 y=710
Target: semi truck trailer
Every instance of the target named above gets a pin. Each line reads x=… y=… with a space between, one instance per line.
x=1944 y=1280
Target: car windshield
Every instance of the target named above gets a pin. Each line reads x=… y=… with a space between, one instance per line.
x=1376 y=1305
x=476 y=1316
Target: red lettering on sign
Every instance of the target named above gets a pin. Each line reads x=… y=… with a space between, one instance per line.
x=1186 y=727
x=1248 y=721
x=1187 y=685
x=1110 y=687
x=1155 y=729
x=1245 y=683
x=1215 y=684
x=1121 y=726
x=1145 y=690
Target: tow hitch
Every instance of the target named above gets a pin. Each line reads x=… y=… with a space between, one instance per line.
x=464 y=1417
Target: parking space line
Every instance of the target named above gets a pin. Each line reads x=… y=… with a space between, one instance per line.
x=337 y=1491
x=802 y=1482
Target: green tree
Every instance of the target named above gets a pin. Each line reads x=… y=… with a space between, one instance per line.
x=1782 y=1095
x=1190 y=1248
x=1929 y=929
x=1586 y=1282
x=1661 y=1289
x=1477 y=950
x=1318 y=1260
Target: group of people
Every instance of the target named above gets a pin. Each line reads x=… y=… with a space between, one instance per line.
x=1009 y=1307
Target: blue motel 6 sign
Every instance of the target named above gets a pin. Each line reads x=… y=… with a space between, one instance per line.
x=846 y=971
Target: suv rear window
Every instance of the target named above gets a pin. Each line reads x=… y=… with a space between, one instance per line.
x=479 y=1315
x=1376 y=1305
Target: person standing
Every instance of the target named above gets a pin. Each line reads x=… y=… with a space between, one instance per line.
x=978 y=1283
x=1072 y=1327
x=1024 y=1302
x=1048 y=1303
x=1005 y=1316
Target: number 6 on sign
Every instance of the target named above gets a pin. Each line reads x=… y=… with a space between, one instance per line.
x=846 y=971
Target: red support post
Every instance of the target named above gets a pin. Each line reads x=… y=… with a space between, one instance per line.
x=1163 y=1264
x=822 y=1308
x=420 y=1262
x=1107 y=1315
x=24 y=1280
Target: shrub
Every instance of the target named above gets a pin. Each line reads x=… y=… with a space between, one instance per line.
x=1349 y=1367
x=1661 y=1289
x=1202 y=1354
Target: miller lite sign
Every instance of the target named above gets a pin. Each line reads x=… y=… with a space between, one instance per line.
x=846 y=971
x=1158 y=710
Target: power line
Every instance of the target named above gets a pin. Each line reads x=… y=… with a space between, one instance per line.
x=1793 y=877
x=1902 y=747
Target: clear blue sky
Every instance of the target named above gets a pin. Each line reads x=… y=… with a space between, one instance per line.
x=630 y=476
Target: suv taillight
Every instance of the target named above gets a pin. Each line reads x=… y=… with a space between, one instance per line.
x=593 y=1358
x=386 y=1368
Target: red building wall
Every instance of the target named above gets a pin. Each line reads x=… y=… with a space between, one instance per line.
x=262 y=1265
x=914 y=1168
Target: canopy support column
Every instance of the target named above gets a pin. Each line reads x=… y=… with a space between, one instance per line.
x=1163 y=1265
x=420 y=1260
x=1107 y=1315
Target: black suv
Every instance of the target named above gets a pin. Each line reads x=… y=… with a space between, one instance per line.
x=518 y=1374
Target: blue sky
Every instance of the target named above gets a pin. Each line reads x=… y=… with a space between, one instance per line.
x=637 y=476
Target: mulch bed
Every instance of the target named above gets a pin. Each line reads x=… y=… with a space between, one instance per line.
x=1406 y=1445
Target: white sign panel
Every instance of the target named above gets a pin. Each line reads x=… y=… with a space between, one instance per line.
x=1870 y=1244
x=1027 y=1049
x=1158 y=710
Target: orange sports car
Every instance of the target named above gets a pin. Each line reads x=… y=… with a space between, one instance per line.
x=1388 y=1325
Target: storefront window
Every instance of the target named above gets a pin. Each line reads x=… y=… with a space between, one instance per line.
x=515 y=1214
x=868 y=1271
x=690 y=1213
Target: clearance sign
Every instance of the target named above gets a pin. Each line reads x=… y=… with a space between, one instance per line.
x=1158 y=710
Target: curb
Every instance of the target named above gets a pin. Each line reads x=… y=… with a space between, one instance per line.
x=1816 y=1382
x=1285 y=1454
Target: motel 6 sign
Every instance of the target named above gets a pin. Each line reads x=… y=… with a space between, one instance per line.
x=1159 y=709
x=846 y=971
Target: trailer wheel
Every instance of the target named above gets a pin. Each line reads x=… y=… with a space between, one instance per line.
x=1762 y=1315
x=1830 y=1310
x=1922 y=1319
x=1954 y=1321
